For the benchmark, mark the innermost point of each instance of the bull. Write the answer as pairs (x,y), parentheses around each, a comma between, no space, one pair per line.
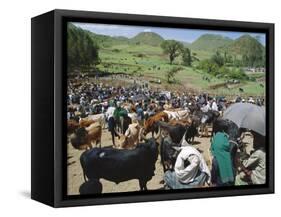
(119,165)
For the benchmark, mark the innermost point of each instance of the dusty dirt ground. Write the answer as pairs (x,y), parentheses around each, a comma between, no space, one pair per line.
(75,174)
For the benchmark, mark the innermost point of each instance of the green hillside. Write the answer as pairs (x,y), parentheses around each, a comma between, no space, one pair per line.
(143,57)
(149,38)
(210,42)
(244,44)
(108,41)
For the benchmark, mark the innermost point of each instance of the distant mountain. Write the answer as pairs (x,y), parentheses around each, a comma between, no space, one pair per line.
(107,41)
(149,38)
(244,44)
(210,42)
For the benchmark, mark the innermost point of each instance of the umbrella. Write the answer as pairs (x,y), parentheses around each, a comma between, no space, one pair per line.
(247,115)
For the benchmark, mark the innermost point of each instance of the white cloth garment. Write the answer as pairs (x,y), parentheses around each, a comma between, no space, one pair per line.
(196,162)
(214,106)
(206,108)
(109,112)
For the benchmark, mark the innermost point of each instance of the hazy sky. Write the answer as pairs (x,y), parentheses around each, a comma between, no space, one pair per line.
(186,35)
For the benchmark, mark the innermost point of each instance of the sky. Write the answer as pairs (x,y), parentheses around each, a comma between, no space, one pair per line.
(184,35)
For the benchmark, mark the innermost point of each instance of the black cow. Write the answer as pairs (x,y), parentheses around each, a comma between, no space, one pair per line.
(176,132)
(205,118)
(193,108)
(119,165)
(227,126)
(191,132)
(167,153)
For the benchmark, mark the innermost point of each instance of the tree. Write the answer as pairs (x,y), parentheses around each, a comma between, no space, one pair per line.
(170,74)
(186,57)
(194,57)
(208,66)
(81,49)
(218,59)
(172,48)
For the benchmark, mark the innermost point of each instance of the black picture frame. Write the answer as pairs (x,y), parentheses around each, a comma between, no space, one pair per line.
(48,147)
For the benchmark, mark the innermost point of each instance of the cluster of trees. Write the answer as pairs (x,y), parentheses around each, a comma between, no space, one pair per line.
(221,63)
(217,66)
(251,58)
(82,51)
(174,49)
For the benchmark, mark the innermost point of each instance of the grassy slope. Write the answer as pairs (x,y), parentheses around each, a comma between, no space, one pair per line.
(153,65)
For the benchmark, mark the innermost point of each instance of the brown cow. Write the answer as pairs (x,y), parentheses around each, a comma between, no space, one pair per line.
(72,125)
(131,137)
(86,122)
(83,137)
(183,122)
(150,123)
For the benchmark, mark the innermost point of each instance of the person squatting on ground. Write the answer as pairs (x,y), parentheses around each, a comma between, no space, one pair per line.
(191,170)
(253,169)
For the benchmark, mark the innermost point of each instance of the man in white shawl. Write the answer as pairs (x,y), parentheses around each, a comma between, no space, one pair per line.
(191,170)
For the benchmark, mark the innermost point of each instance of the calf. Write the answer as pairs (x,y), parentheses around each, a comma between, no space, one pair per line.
(131,137)
(83,137)
(119,165)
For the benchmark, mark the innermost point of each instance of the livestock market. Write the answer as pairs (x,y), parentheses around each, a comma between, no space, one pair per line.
(125,134)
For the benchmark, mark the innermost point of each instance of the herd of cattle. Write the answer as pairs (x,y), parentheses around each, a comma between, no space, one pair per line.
(149,123)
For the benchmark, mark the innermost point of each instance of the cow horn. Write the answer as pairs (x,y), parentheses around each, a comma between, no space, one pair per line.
(142,137)
(159,133)
(176,148)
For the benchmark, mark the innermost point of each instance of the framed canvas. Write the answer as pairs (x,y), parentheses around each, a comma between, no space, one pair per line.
(133,108)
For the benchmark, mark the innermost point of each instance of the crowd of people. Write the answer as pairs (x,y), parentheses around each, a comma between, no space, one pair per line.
(190,167)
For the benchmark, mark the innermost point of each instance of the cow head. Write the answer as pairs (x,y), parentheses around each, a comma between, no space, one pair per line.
(169,153)
(79,138)
(122,141)
(195,120)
